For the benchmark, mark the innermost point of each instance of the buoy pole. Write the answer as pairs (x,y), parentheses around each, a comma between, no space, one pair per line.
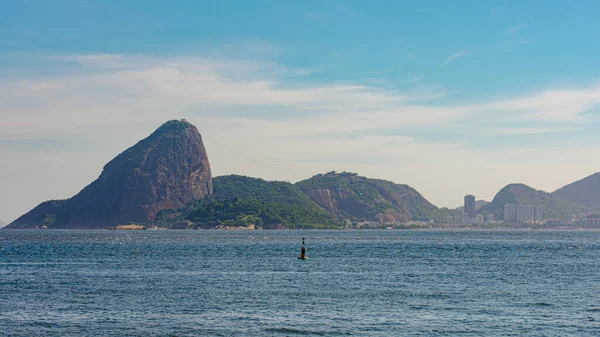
(302,254)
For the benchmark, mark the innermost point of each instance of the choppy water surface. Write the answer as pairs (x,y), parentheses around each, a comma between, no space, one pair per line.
(356,283)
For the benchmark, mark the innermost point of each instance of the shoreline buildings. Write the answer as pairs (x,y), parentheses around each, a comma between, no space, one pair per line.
(469,215)
(513,213)
(523,213)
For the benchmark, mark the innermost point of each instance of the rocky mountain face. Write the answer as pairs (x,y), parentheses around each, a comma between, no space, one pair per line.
(348,196)
(552,208)
(585,192)
(42,215)
(169,169)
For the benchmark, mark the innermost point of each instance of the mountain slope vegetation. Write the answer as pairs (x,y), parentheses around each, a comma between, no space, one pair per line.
(242,201)
(585,192)
(348,196)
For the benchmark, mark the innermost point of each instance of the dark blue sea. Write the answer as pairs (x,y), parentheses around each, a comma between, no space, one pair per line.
(250,283)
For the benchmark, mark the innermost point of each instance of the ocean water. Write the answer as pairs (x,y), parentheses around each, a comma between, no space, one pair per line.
(250,283)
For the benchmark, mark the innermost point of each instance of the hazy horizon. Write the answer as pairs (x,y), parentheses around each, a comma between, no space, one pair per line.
(449,98)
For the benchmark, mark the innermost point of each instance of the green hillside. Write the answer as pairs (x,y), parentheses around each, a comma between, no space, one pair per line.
(241,201)
(348,196)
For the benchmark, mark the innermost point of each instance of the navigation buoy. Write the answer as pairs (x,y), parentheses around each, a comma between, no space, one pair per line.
(303,251)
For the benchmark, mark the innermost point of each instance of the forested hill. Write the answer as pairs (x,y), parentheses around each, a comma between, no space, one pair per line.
(241,201)
(348,196)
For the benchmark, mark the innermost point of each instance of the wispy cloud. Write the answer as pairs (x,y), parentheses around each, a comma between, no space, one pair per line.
(515,28)
(560,105)
(107,85)
(530,131)
(112,89)
(453,57)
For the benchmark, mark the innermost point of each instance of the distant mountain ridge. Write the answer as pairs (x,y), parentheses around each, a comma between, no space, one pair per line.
(552,208)
(168,169)
(348,196)
(166,179)
(584,192)
(240,200)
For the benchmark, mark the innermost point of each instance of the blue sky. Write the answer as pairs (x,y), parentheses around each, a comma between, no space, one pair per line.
(451,97)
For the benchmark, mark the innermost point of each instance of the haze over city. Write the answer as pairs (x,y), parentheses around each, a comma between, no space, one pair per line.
(453,99)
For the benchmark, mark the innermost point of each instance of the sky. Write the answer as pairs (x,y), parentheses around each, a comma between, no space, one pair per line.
(449,97)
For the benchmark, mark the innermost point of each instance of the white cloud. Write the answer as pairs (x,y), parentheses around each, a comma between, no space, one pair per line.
(530,131)
(515,28)
(115,89)
(453,57)
(557,105)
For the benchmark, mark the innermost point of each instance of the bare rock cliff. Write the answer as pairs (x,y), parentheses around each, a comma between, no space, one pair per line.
(166,170)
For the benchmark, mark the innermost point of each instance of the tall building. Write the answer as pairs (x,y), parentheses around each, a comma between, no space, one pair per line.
(470,205)
(537,214)
(510,212)
(524,214)
(459,219)
(591,223)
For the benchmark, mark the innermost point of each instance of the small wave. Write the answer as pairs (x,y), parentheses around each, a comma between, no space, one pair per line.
(542,304)
(295,331)
(593,310)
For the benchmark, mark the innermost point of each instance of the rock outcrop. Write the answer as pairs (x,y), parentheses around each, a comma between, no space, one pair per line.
(348,196)
(42,215)
(166,170)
